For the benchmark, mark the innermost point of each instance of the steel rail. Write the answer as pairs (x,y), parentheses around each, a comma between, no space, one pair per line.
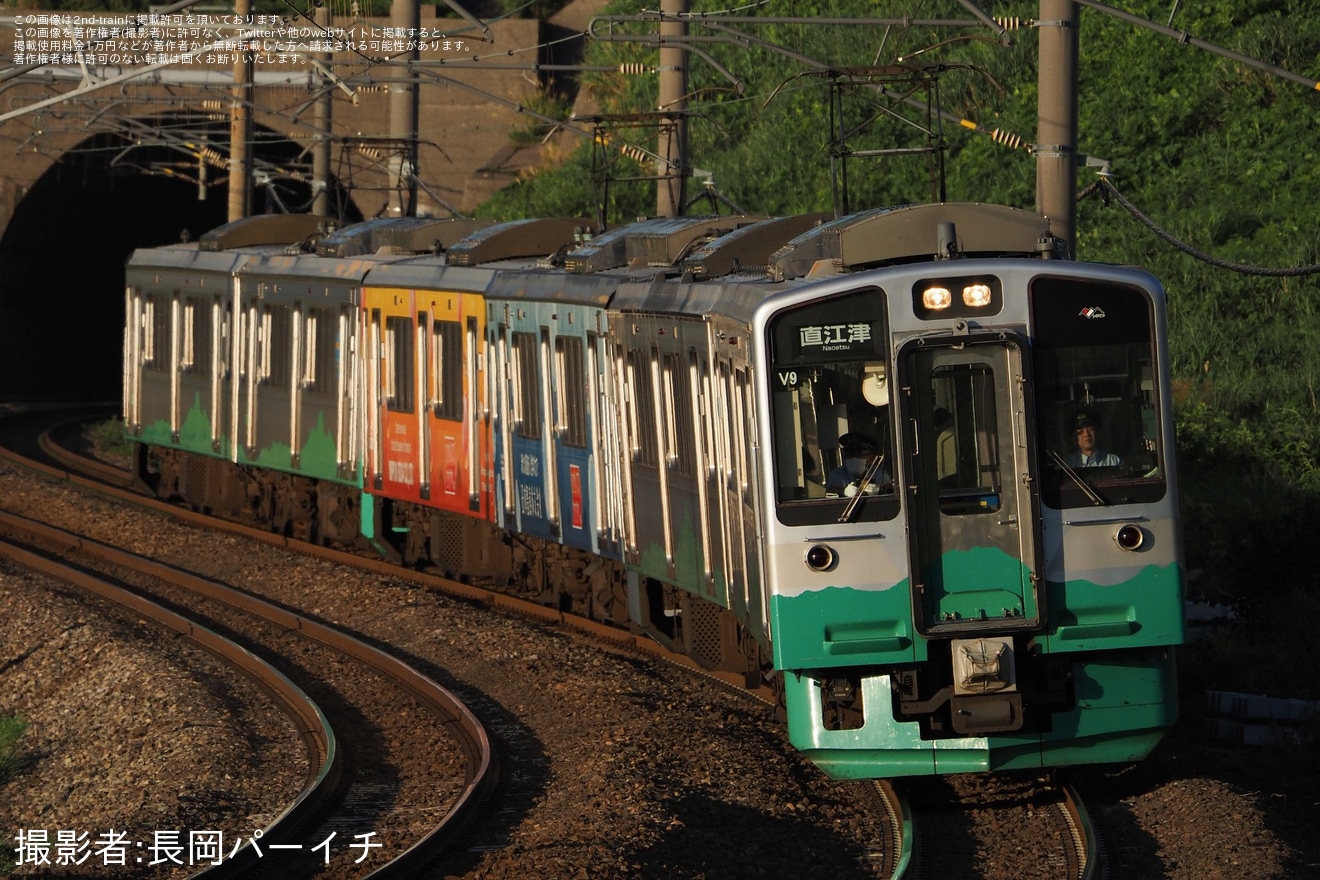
(457,720)
(482,767)
(325,761)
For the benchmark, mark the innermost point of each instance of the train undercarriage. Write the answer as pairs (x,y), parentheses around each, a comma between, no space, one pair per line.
(461,548)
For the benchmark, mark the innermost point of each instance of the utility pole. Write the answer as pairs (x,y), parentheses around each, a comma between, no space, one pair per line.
(405,14)
(672,164)
(240,122)
(1056,129)
(322,122)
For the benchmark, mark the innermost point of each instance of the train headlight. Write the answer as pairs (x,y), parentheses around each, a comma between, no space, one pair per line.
(1130,537)
(977,296)
(936,298)
(819,557)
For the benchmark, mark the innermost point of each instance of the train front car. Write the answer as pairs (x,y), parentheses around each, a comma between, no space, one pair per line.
(973,556)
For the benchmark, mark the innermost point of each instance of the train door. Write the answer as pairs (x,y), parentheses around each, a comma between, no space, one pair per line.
(426,394)
(375,354)
(708,481)
(572,399)
(607,491)
(976,562)
(132,398)
(478,451)
(346,346)
(270,403)
(500,396)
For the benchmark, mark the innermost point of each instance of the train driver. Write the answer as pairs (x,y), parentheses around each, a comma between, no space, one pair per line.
(1084,427)
(859,451)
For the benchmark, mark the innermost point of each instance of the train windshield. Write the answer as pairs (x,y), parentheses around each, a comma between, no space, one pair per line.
(1097,402)
(830,400)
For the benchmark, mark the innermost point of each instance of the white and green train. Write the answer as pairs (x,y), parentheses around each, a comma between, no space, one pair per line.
(911,466)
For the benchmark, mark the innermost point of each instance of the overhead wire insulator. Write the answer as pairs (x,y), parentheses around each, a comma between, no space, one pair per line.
(633,68)
(637,154)
(1011,22)
(369,152)
(1006,138)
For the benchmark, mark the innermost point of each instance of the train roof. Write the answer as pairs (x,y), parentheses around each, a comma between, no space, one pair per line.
(908,233)
(411,235)
(191,258)
(428,273)
(659,243)
(264,229)
(309,267)
(733,299)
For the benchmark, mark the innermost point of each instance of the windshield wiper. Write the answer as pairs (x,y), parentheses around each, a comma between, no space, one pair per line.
(1076,478)
(871,471)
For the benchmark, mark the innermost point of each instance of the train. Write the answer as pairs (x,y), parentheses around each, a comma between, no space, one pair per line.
(913,466)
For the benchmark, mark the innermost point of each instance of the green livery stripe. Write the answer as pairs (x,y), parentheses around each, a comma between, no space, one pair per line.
(841,626)
(1144,611)
(1123,708)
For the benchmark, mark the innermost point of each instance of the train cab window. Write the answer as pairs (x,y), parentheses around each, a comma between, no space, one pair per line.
(830,406)
(1097,404)
(399,373)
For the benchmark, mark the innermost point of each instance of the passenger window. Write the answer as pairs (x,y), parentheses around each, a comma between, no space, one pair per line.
(572,398)
(447,363)
(399,376)
(1097,404)
(527,393)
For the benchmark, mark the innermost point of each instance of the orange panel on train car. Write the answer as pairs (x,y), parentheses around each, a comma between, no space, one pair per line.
(430,441)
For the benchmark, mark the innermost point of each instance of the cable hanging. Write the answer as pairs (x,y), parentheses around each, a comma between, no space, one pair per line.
(1105,187)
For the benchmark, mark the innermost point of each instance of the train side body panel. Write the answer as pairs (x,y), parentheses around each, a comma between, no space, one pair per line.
(429,440)
(554,427)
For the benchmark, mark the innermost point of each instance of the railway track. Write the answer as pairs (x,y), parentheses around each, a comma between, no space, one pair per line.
(894,853)
(1003,827)
(340,794)
(324,759)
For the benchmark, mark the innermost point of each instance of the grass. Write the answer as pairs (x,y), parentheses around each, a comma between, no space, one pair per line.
(11,729)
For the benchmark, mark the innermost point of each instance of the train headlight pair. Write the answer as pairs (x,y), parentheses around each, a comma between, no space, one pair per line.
(974,296)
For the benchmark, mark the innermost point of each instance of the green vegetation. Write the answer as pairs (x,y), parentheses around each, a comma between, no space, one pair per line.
(11,729)
(1221,155)
(108,438)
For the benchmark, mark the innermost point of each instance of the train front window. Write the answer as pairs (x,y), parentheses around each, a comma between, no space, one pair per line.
(1096,399)
(829,398)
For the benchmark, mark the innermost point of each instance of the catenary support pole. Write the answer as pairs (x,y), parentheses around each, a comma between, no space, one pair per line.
(1056,129)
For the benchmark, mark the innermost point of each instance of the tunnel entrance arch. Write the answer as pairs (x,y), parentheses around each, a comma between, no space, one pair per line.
(63,252)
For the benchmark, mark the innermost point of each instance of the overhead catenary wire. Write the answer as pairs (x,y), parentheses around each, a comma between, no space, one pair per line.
(1106,188)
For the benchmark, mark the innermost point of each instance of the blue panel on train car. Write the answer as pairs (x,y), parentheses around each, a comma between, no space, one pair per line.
(529,489)
(575,510)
